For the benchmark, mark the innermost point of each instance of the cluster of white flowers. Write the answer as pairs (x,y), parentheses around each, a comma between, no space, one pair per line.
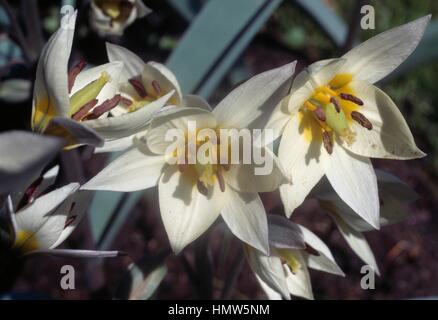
(329,121)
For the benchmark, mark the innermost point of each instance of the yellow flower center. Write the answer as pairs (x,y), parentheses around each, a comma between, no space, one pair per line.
(330,111)
(202,163)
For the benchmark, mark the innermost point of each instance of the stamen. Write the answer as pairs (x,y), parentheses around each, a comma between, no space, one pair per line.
(202,188)
(105,106)
(362,120)
(138,86)
(73,73)
(126,102)
(319,114)
(310,106)
(327,141)
(156,87)
(351,98)
(83,111)
(221,180)
(336,104)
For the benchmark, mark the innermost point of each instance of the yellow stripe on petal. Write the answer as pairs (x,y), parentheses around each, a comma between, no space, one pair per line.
(289,256)
(340,80)
(26,241)
(308,126)
(43,112)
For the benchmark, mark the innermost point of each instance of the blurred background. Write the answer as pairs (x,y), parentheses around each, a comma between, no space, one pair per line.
(212,46)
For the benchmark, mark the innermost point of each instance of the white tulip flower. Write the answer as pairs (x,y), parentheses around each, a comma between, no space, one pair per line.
(294,249)
(141,85)
(75,104)
(335,119)
(38,222)
(394,197)
(192,196)
(111,17)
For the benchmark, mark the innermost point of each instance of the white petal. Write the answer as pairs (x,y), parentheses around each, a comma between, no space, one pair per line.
(194,101)
(244,104)
(48,179)
(186,213)
(133,64)
(268,270)
(354,180)
(154,71)
(113,69)
(278,120)
(324,261)
(116,145)
(311,78)
(245,215)
(75,133)
(357,242)
(299,283)
(302,156)
(23,156)
(70,253)
(132,171)
(129,123)
(270,293)
(379,56)
(266,177)
(175,118)
(74,207)
(390,137)
(51,84)
(41,219)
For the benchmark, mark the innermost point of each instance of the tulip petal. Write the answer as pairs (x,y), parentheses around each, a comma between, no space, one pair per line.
(268,270)
(40,221)
(354,180)
(74,133)
(324,261)
(299,283)
(74,209)
(244,104)
(71,253)
(244,214)
(302,157)
(264,177)
(164,76)
(390,137)
(194,101)
(284,234)
(51,96)
(357,242)
(23,156)
(133,64)
(377,57)
(116,145)
(278,120)
(113,69)
(132,171)
(175,118)
(311,78)
(129,123)
(186,213)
